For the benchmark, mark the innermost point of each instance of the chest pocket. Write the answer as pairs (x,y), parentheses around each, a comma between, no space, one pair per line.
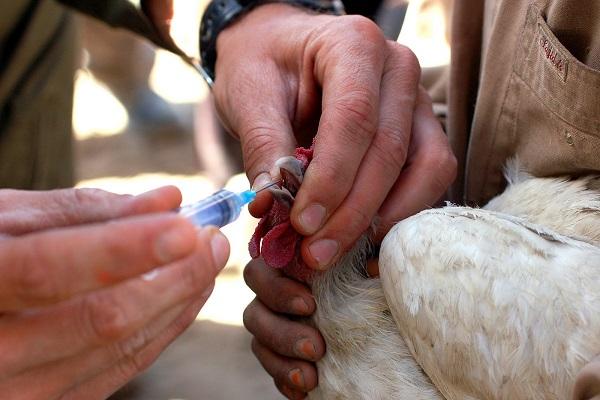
(551,112)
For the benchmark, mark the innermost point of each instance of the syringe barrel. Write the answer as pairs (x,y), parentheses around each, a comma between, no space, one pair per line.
(218,210)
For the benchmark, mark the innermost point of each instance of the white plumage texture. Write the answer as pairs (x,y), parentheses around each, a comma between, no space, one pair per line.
(495,303)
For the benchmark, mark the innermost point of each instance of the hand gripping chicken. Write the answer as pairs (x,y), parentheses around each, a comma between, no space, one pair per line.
(501,302)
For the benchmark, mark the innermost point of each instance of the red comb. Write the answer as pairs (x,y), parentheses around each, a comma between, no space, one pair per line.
(275,238)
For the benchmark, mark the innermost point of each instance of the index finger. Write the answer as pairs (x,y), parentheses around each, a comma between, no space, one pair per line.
(350,75)
(45,268)
(24,211)
(265,132)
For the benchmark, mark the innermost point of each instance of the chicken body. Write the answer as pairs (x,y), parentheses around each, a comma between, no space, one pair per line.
(495,303)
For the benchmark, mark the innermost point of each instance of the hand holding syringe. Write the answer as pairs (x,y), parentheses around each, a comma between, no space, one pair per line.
(221,208)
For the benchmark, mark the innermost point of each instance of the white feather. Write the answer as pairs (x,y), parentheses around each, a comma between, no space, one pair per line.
(494,303)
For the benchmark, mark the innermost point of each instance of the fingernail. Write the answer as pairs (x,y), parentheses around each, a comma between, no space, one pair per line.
(312,218)
(220,248)
(300,305)
(174,243)
(261,181)
(323,251)
(297,378)
(306,349)
(288,392)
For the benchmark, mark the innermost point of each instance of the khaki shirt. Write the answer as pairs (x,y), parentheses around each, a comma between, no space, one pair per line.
(524,82)
(38,57)
(37,62)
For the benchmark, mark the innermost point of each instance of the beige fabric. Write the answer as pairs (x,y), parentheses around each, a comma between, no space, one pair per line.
(128,14)
(37,61)
(537,90)
(118,58)
(525,82)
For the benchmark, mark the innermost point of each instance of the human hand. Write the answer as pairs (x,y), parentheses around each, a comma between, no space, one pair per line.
(283,74)
(160,13)
(93,286)
(587,384)
(286,348)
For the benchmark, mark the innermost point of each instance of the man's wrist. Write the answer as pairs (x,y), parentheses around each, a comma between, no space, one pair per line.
(220,14)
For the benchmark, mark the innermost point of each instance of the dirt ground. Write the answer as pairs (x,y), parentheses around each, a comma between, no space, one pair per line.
(210,361)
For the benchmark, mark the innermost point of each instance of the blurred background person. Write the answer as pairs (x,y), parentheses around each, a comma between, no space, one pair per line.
(123,62)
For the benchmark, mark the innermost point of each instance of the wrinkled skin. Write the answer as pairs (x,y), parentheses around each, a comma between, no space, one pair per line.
(79,273)
(287,357)
(350,158)
(283,74)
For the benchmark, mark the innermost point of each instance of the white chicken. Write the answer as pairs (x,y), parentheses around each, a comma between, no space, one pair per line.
(495,303)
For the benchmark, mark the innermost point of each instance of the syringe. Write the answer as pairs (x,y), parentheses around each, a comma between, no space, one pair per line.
(219,209)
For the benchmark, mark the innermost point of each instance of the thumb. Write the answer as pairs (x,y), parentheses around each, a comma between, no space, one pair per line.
(256,110)
(261,148)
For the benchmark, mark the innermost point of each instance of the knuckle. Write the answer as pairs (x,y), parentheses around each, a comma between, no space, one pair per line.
(105,317)
(390,152)
(424,97)
(194,278)
(443,158)
(87,198)
(258,325)
(448,170)
(132,345)
(256,142)
(282,301)
(135,364)
(249,316)
(450,165)
(261,354)
(360,222)
(334,174)
(126,369)
(81,204)
(364,28)
(254,347)
(408,60)
(402,64)
(250,273)
(443,165)
(118,241)
(33,280)
(359,113)
(185,320)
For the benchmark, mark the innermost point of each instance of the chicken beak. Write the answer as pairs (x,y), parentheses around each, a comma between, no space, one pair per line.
(291,173)
(287,170)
